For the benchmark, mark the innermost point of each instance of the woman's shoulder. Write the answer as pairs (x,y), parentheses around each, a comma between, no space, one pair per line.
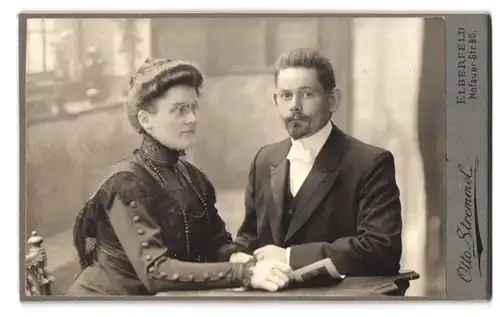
(128,180)
(195,172)
(199,178)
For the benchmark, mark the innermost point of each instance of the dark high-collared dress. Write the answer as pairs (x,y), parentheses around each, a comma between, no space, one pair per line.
(152,226)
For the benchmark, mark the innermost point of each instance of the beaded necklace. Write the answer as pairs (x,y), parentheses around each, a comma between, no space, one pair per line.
(184,214)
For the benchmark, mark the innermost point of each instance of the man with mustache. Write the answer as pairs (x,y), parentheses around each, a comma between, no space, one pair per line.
(320,193)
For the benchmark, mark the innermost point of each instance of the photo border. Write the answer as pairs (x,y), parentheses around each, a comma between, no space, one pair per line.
(468,136)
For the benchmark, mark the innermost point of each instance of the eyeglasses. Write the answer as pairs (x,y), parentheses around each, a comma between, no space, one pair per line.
(183,109)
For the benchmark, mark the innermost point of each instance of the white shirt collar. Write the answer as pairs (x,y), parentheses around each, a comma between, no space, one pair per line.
(308,148)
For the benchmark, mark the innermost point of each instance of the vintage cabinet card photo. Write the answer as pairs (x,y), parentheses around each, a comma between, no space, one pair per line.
(262,156)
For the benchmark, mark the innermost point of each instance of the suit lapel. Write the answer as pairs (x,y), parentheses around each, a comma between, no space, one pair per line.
(278,180)
(318,183)
(316,186)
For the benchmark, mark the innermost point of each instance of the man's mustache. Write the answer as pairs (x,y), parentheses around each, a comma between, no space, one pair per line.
(296,116)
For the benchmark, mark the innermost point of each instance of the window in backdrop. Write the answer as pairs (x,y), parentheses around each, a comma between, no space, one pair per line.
(40,55)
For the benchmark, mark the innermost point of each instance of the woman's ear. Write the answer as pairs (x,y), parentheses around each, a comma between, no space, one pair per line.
(144,119)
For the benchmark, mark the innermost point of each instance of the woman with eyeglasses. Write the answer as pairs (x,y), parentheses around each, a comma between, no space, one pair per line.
(152,225)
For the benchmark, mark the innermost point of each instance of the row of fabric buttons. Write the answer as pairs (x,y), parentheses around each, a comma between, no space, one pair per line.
(205,277)
(145,245)
(189,278)
(140,231)
(163,275)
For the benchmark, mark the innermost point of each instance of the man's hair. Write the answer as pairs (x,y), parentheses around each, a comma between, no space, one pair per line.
(153,79)
(308,58)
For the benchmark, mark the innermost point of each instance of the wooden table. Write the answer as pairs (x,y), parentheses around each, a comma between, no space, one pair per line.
(356,287)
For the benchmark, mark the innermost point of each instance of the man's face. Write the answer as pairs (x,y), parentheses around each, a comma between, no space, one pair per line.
(303,104)
(174,123)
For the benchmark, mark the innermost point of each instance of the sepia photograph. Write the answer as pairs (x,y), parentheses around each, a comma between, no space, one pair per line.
(208,156)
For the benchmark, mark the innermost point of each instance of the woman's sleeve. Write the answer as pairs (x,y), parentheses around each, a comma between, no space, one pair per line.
(129,211)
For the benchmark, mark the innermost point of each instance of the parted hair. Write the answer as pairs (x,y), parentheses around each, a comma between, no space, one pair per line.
(153,79)
(308,58)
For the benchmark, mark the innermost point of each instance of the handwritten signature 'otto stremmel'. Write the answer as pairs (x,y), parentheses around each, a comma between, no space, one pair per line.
(468,228)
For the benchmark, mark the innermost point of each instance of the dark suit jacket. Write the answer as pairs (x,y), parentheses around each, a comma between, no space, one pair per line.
(349,209)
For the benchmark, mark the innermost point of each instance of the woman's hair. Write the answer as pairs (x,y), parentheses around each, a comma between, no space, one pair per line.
(153,79)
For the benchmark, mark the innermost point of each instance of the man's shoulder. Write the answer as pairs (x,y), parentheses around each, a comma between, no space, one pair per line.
(272,151)
(363,149)
(361,156)
(354,150)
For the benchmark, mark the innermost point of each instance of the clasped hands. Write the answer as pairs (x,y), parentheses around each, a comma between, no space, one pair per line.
(271,272)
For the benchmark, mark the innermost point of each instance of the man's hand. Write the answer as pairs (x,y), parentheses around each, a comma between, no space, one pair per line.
(270,275)
(240,257)
(271,252)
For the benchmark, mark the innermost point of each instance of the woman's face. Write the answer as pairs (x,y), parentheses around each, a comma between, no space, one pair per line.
(173,124)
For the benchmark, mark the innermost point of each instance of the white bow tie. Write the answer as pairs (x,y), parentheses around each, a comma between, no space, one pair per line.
(299,153)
